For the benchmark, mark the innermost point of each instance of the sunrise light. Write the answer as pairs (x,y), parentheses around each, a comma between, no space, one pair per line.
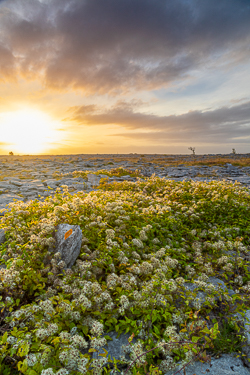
(28,131)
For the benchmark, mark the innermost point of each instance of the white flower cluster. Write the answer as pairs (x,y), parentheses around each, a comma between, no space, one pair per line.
(69,358)
(124,301)
(138,243)
(167,364)
(97,328)
(79,341)
(97,365)
(98,343)
(31,359)
(42,334)
(65,335)
(137,351)
(11,340)
(171,263)
(146,268)
(110,234)
(84,301)
(143,236)
(112,280)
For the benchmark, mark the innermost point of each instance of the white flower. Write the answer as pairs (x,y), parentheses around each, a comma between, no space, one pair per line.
(124,301)
(98,343)
(65,335)
(138,243)
(143,236)
(62,371)
(110,233)
(42,333)
(97,328)
(11,339)
(49,371)
(78,340)
(31,359)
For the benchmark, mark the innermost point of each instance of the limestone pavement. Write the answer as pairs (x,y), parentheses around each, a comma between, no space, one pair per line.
(36,177)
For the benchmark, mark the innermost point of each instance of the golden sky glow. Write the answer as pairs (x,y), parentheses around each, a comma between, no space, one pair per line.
(156,76)
(28,131)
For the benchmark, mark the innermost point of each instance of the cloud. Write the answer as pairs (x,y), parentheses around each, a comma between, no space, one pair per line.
(114,46)
(7,62)
(225,124)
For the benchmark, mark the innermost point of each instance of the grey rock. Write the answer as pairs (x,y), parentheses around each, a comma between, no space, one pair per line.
(115,347)
(225,365)
(2,236)
(70,247)
(16,182)
(93,179)
(246,334)
(201,296)
(51,182)
(2,240)
(5,199)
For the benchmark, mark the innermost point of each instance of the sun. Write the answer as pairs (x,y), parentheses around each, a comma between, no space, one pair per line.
(28,131)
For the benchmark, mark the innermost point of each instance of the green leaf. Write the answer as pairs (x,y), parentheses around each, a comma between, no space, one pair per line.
(195,339)
(23,350)
(19,262)
(85,330)
(108,338)
(154,318)
(92,350)
(23,366)
(156,330)
(31,372)
(4,338)
(205,330)
(56,340)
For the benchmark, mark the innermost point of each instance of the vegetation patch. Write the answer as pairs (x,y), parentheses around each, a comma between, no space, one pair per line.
(143,243)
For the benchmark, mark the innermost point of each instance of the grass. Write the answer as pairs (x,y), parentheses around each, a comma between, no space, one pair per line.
(228,340)
(142,242)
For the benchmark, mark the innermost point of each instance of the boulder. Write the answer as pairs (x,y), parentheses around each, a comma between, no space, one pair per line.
(115,347)
(5,199)
(2,236)
(94,179)
(201,296)
(68,242)
(227,364)
(246,334)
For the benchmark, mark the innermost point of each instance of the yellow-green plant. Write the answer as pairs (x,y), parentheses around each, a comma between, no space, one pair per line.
(142,242)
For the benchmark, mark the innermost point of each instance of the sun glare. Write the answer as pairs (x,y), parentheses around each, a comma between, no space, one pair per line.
(28,131)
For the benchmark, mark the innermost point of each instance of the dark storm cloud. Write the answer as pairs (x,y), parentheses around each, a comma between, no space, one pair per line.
(221,125)
(112,46)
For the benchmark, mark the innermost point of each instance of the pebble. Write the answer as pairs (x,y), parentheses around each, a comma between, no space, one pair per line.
(36,177)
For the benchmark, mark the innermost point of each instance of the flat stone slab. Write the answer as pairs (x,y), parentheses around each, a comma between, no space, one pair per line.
(114,347)
(5,199)
(2,236)
(225,365)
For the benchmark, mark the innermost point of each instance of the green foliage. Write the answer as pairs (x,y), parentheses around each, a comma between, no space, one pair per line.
(142,241)
(228,340)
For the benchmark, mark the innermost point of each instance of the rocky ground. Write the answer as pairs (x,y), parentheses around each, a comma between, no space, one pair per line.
(28,177)
(36,177)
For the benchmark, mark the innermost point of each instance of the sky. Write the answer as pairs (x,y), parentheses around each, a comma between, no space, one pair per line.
(124,76)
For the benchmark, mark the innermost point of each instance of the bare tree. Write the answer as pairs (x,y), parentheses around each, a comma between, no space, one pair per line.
(192,149)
